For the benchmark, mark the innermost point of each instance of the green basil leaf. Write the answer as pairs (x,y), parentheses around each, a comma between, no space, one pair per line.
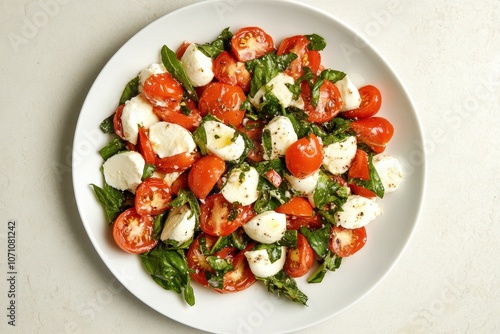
(111,199)
(148,171)
(274,251)
(374,183)
(220,44)
(107,125)
(267,142)
(174,67)
(115,146)
(316,42)
(283,285)
(158,225)
(187,197)
(289,239)
(130,90)
(265,68)
(332,75)
(318,239)
(331,262)
(220,267)
(328,191)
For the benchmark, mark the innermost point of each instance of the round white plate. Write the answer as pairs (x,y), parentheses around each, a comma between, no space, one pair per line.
(255,310)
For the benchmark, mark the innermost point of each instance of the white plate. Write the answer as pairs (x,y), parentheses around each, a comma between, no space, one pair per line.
(255,310)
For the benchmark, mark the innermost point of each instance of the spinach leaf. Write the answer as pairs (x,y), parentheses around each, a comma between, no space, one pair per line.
(174,67)
(374,183)
(112,148)
(169,269)
(107,125)
(265,68)
(316,42)
(111,199)
(220,44)
(330,262)
(283,285)
(130,90)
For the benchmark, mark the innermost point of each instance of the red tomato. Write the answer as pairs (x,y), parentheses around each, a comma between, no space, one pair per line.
(176,163)
(236,280)
(219,217)
(345,242)
(180,51)
(188,121)
(296,222)
(297,206)
(232,72)
(251,42)
(152,197)
(361,191)
(224,102)
(329,102)
(359,167)
(163,90)
(145,146)
(371,100)
(117,122)
(304,157)
(298,45)
(253,130)
(133,233)
(375,132)
(299,260)
(181,182)
(312,59)
(273,177)
(204,174)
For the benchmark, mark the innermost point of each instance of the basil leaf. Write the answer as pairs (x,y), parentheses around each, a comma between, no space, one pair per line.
(274,251)
(267,142)
(265,68)
(158,225)
(187,197)
(331,262)
(220,44)
(107,125)
(111,199)
(283,285)
(148,171)
(332,75)
(289,239)
(130,90)
(316,42)
(174,67)
(220,267)
(318,239)
(374,183)
(336,130)
(115,146)
(328,192)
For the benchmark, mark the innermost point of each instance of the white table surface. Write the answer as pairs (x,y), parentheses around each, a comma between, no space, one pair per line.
(446,52)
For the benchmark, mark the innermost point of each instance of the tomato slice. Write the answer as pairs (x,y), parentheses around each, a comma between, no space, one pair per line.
(197,261)
(297,44)
(251,42)
(371,100)
(312,59)
(297,206)
(220,217)
(345,242)
(232,72)
(181,182)
(304,157)
(241,277)
(204,174)
(117,121)
(224,102)
(361,191)
(152,197)
(359,166)
(328,105)
(295,222)
(145,146)
(133,232)
(299,260)
(375,132)
(163,90)
(187,115)
(176,163)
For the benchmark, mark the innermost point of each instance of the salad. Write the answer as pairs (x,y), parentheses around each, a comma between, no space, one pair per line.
(236,161)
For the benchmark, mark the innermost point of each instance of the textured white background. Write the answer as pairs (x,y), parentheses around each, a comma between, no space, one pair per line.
(446,52)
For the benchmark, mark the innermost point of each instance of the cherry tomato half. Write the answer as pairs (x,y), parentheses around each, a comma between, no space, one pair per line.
(371,100)
(176,163)
(224,102)
(133,232)
(328,105)
(163,90)
(204,174)
(345,242)
(187,115)
(251,42)
(359,166)
(145,146)
(304,156)
(117,121)
(297,206)
(299,260)
(375,132)
(230,71)
(152,197)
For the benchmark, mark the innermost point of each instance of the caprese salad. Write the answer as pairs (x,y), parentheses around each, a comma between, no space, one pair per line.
(237,161)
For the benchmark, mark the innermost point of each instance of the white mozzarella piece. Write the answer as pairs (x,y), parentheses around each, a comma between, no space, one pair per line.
(221,141)
(267,227)
(197,66)
(278,87)
(168,139)
(349,93)
(179,225)
(390,171)
(123,171)
(147,72)
(241,186)
(137,112)
(337,157)
(357,211)
(282,136)
(261,265)
(305,186)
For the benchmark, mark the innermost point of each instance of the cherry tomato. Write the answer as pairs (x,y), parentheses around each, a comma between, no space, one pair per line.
(241,277)
(152,197)
(176,163)
(371,100)
(163,90)
(251,42)
(230,71)
(145,146)
(312,59)
(328,105)
(117,122)
(180,51)
(361,191)
(181,182)
(297,206)
(133,232)
(197,261)
(299,260)
(253,130)
(359,167)
(304,157)
(219,217)
(298,45)
(375,132)
(345,242)
(204,174)
(224,102)
(296,222)
(274,177)
(187,116)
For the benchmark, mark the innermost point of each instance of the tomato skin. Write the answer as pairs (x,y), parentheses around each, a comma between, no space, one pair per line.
(232,72)
(329,102)
(241,277)
(359,167)
(297,206)
(371,100)
(299,260)
(312,59)
(296,222)
(298,45)
(176,163)
(253,130)
(273,177)
(180,51)
(220,218)
(152,197)
(224,102)
(304,157)
(204,174)
(345,242)
(361,191)
(117,121)
(180,182)
(251,42)
(374,131)
(145,147)
(163,90)
(133,233)
(189,122)
(197,260)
